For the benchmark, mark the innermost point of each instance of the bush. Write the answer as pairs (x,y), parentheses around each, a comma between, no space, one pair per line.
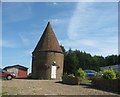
(81,73)
(99,74)
(109,74)
(117,74)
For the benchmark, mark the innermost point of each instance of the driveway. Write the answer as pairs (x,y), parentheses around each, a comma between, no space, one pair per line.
(46,87)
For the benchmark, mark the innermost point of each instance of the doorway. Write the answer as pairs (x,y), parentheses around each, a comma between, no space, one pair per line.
(53,72)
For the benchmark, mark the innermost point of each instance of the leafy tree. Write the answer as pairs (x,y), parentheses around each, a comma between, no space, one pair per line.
(109,74)
(75,59)
(98,61)
(71,62)
(63,49)
(111,60)
(81,73)
(119,59)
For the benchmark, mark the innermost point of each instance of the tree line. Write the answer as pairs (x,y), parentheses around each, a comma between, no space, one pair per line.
(75,59)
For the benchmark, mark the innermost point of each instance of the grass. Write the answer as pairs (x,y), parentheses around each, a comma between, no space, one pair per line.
(3,93)
(86,82)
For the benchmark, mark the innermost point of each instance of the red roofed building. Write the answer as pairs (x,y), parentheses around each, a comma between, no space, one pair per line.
(18,70)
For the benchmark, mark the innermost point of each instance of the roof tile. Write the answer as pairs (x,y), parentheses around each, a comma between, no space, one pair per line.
(48,41)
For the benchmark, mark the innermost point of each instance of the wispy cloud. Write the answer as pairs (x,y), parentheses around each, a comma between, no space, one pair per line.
(76,20)
(28,52)
(76,44)
(7,43)
(55,3)
(55,21)
(92,46)
(88,19)
(1,43)
(25,40)
(94,30)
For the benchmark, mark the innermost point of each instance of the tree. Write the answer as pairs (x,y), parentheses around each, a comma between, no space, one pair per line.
(76,59)
(118,59)
(71,62)
(81,73)
(111,60)
(63,49)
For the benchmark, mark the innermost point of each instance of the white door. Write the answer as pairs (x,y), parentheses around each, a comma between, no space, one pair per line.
(53,72)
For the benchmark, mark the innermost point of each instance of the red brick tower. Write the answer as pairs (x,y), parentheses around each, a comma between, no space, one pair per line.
(47,57)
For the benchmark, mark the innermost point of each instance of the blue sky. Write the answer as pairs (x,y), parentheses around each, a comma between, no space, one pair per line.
(86,26)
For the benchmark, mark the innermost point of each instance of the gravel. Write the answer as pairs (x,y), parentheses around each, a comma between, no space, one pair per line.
(46,87)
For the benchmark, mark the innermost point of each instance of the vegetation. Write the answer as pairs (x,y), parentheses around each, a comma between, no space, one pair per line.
(81,73)
(109,74)
(99,74)
(75,59)
(3,93)
(117,74)
(71,62)
(86,82)
(71,75)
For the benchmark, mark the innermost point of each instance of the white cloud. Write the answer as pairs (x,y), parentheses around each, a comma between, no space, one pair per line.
(28,52)
(93,30)
(0,42)
(54,3)
(89,19)
(76,21)
(24,40)
(77,44)
(88,42)
(7,43)
(93,47)
(55,21)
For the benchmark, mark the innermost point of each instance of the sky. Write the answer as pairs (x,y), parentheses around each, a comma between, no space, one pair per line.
(87,26)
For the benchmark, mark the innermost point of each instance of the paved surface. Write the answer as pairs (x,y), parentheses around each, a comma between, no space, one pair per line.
(46,87)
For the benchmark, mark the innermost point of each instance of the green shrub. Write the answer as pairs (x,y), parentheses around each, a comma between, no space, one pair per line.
(81,73)
(99,74)
(109,74)
(117,74)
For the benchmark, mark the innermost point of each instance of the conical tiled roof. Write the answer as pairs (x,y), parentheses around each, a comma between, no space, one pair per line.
(48,41)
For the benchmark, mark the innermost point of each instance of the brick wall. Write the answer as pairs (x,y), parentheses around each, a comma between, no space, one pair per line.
(22,73)
(42,62)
